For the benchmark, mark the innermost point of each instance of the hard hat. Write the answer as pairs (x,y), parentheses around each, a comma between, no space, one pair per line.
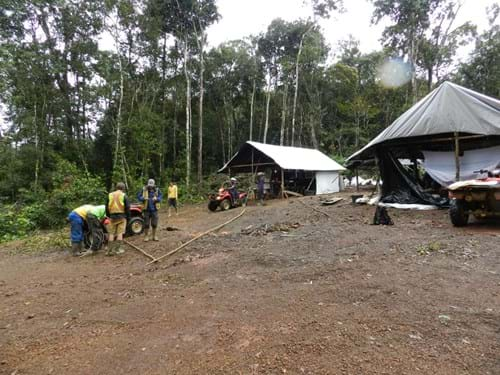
(233,179)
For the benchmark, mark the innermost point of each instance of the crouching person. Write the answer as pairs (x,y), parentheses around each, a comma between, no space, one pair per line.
(77,219)
(118,211)
(150,197)
(95,216)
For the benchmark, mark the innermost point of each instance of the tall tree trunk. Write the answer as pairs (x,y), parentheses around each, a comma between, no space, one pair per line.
(283,115)
(163,107)
(296,93)
(429,78)
(189,136)
(314,138)
(252,100)
(268,100)
(37,162)
(119,119)
(200,115)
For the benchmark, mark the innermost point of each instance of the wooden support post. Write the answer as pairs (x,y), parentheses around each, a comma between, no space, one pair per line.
(282,183)
(357,179)
(457,157)
(252,161)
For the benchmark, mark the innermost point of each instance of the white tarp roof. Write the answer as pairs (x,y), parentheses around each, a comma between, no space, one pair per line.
(294,158)
(449,108)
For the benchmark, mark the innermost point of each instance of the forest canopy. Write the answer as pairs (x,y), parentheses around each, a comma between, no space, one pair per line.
(164,104)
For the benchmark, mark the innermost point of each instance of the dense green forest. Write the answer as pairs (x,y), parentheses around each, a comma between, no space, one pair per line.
(164,104)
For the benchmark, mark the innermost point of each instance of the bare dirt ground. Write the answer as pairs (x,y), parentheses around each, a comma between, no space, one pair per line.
(332,296)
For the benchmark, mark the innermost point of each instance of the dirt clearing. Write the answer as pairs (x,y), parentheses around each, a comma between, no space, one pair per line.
(283,289)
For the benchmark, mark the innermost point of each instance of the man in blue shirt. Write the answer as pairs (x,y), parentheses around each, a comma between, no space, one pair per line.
(150,196)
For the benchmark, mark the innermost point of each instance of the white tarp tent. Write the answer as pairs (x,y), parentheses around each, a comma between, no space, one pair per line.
(253,155)
(328,182)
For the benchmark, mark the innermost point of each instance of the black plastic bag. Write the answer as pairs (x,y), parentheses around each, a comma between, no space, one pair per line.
(382,217)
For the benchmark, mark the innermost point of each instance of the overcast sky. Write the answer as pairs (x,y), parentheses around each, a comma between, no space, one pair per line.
(240,18)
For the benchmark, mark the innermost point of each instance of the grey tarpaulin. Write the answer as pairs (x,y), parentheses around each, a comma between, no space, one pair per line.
(448,116)
(448,109)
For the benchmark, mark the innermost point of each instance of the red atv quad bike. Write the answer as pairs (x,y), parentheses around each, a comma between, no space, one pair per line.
(480,198)
(135,226)
(136,223)
(224,200)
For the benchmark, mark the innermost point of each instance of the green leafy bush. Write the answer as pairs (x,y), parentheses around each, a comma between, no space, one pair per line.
(14,223)
(41,210)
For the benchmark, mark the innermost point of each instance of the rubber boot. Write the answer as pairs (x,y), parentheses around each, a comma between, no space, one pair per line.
(75,248)
(111,248)
(146,235)
(119,249)
(155,238)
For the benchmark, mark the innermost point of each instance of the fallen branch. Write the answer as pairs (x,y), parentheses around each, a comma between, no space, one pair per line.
(315,209)
(197,237)
(139,249)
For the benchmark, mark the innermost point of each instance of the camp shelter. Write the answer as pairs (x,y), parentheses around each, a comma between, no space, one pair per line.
(292,168)
(454,130)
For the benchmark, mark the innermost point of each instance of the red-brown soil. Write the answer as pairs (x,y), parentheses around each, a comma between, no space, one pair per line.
(333,296)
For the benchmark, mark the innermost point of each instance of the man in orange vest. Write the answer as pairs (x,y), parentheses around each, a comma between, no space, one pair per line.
(118,211)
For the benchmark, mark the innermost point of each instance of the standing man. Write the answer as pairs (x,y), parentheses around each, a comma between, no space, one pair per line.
(233,190)
(260,187)
(172,197)
(118,211)
(77,218)
(150,196)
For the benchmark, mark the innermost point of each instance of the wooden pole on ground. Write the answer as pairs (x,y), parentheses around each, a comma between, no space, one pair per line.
(139,249)
(197,237)
(315,209)
(457,157)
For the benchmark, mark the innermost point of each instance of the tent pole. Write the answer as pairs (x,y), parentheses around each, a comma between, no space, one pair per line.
(282,183)
(252,160)
(357,180)
(457,157)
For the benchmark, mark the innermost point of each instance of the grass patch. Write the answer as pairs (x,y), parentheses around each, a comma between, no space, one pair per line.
(39,242)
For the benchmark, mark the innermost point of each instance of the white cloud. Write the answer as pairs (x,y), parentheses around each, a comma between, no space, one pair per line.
(241,18)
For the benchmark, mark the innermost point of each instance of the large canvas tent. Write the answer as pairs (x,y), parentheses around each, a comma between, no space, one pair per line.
(453,129)
(295,164)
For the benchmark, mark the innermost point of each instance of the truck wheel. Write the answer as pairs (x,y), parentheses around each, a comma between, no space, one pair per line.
(91,242)
(212,205)
(225,205)
(136,225)
(458,215)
